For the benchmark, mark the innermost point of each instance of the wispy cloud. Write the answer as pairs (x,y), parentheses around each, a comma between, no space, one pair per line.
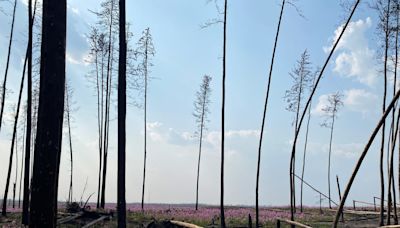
(354,100)
(158,132)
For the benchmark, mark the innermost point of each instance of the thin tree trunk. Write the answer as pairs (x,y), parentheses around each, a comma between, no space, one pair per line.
(50,115)
(304,158)
(381,217)
(16,167)
(223,120)
(362,156)
(22,166)
(311,96)
(265,111)
(200,144)
(99,120)
(107,118)
(122,116)
(4,210)
(145,121)
(101,131)
(329,162)
(70,196)
(293,157)
(391,178)
(25,204)
(4,86)
(396,220)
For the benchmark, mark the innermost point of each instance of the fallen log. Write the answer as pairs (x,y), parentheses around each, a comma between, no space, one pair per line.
(70,218)
(184,224)
(279,220)
(102,218)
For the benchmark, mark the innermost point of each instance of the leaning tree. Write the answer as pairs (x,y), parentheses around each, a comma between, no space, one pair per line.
(271,67)
(200,113)
(315,86)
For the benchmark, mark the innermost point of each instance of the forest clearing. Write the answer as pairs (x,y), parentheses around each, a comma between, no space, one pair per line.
(207,216)
(206,113)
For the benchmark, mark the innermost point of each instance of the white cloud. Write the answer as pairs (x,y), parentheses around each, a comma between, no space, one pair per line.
(354,100)
(73,9)
(321,104)
(243,133)
(356,60)
(347,150)
(359,100)
(72,60)
(159,133)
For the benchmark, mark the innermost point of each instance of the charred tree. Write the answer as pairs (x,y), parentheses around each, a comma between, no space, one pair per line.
(121,206)
(50,115)
(223,225)
(317,80)
(362,156)
(4,85)
(265,110)
(13,140)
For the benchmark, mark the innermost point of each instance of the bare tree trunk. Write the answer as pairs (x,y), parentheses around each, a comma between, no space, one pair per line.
(293,157)
(68,109)
(310,98)
(16,167)
(14,135)
(391,177)
(362,156)
(265,111)
(329,162)
(101,132)
(200,144)
(396,220)
(50,115)
(304,158)
(145,126)
(99,120)
(223,120)
(122,115)
(381,218)
(107,117)
(4,88)
(25,204)
(22,166)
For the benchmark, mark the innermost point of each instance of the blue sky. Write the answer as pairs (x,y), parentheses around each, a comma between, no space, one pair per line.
(184,53)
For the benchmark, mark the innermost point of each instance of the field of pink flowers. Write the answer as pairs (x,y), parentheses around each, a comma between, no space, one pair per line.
(236,216)
(207,215)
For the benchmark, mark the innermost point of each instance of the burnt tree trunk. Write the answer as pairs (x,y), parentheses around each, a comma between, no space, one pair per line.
(4,86)
(121,206)
(362,156)
(25,204)
(107,107)
(382,177)
(50,115)
(265,112)
(13,139)
(223,120)
(318,79)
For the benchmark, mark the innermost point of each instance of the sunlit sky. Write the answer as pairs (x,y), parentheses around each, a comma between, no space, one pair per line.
(184,53)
